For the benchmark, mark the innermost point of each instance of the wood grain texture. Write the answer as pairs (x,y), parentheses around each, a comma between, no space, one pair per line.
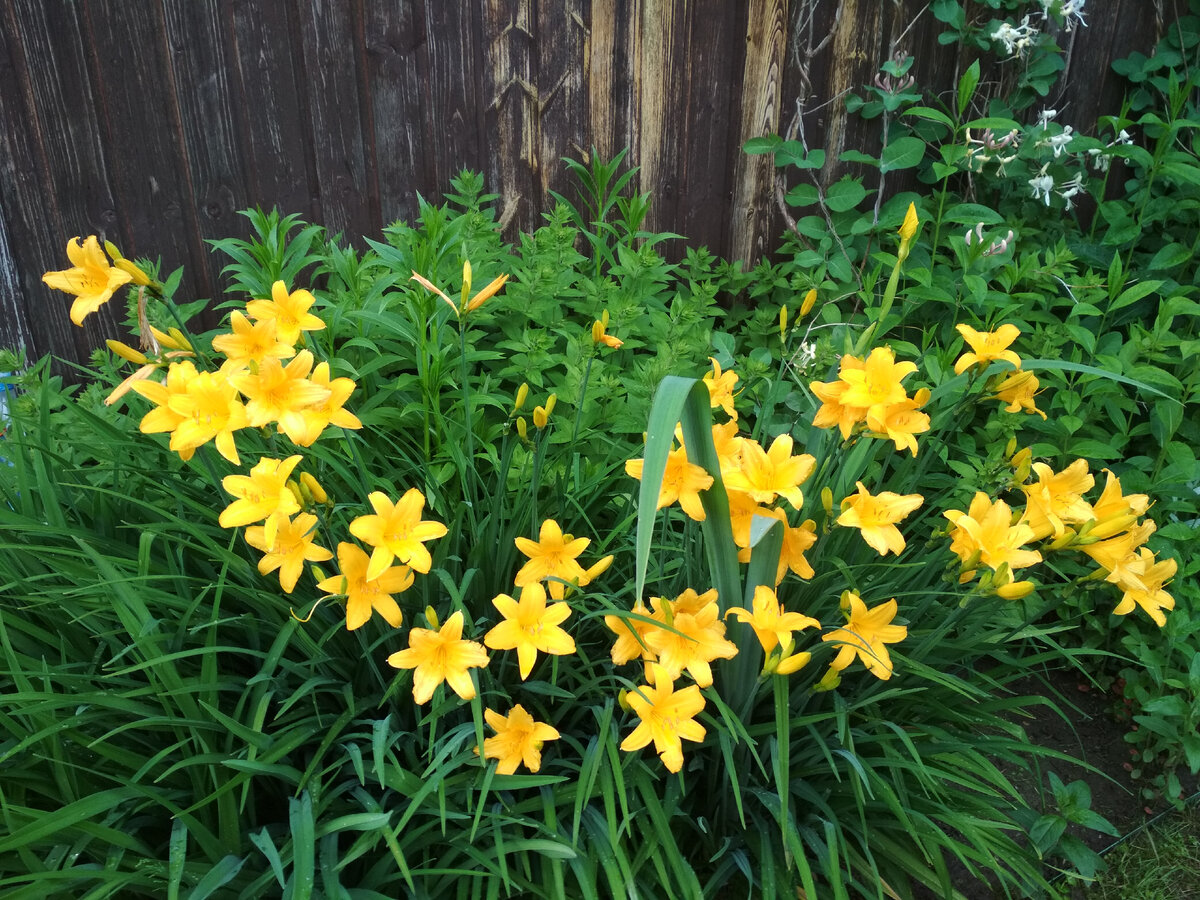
(329,61)
(200,69)
(397,78)
(150,123)
(512,121)
(753,213)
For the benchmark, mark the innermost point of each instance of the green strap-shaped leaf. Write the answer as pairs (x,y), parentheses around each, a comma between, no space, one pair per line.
(685,400)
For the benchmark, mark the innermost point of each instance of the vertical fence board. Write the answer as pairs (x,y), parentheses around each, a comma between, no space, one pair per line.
(62,98)
(218,183)
(511,97)
(562,71)
(267,95)
(140,117)
(398,75)
(334,130)
(753,215)
(456,102)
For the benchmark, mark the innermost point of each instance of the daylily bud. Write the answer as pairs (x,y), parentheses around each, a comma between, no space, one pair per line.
(783,322)
(522,396)
(522,428)
(793,663)
(139,278)
(831,680)
(827,500)
(297,492)
(126,352)
(1010,448)
(810,300)
(845,601)
(178,338)
(466,285)
(597,331)
(908,231)
(623,701)
(550,401)
(317,572)
(1016,590)
(309,483)
(1066,539)
(431,617)
(604,318)
(1111,526)
(540,417)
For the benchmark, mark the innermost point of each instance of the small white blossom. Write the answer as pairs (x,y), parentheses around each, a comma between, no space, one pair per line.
(1015,38)
(1058,142)
(1123,138)
(1042,186)
(1046,116)
(1070,188)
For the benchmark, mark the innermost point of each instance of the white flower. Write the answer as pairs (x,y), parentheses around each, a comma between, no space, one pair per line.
(1046,116)
(1016,39)
(1042,186)
(1070,188)
(1058,142)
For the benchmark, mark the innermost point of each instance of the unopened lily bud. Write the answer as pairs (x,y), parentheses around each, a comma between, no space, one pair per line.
(540,417)
(550,401)
(623,701)
(845,601)
(810,300)
(177,336)
(1016,590)
(466,285)
(1111,526)
(431,617)
(317,572)
(522,428)
(1066,539)
(309,483)
(597,331)
(827,500)
(831,680)
(297,492)
(522,396)
(1010,448)
(128,353)
(783,322)
(793,663)
(604,319)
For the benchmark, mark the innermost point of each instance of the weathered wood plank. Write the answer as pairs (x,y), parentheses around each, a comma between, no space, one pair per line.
(328,48)
(15,333)
(456,102)
(61,125)
(199,68)
(397,76)
(708,152)
(752,218)
(142,133)
(267,96)
(563,59)
(512,113)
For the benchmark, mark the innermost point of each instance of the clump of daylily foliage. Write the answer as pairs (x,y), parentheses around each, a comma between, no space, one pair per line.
(792,573)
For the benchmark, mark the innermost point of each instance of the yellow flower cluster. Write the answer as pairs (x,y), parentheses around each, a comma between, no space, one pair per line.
(1108,531)
(869,393)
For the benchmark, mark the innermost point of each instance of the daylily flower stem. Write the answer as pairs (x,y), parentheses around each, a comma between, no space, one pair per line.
(465,387)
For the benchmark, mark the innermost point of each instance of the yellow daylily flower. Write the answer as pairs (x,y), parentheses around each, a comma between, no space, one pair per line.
(1146,588)
(442,655)
(552,555)
(292,547)
(1017,389)
(211,410)
(91,279)
(263,494)
(667,718)
(865,636)
(877,381)
(876,515)
(696,639)
(529,626)
(249,342)
(282,394)
(289,312)
(987,346)
(772,626)
(1055,500)
(985,532)
(518,740)
(362,595)
(396,531)
(631,635)
(763,474)
(682,481)
(720,388)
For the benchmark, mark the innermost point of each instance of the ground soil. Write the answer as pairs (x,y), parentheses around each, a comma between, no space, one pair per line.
(1087,725)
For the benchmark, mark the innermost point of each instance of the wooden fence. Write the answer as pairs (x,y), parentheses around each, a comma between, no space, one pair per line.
(150,122)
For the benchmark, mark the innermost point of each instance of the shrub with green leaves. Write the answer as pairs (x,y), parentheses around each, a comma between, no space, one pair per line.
(358,594)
